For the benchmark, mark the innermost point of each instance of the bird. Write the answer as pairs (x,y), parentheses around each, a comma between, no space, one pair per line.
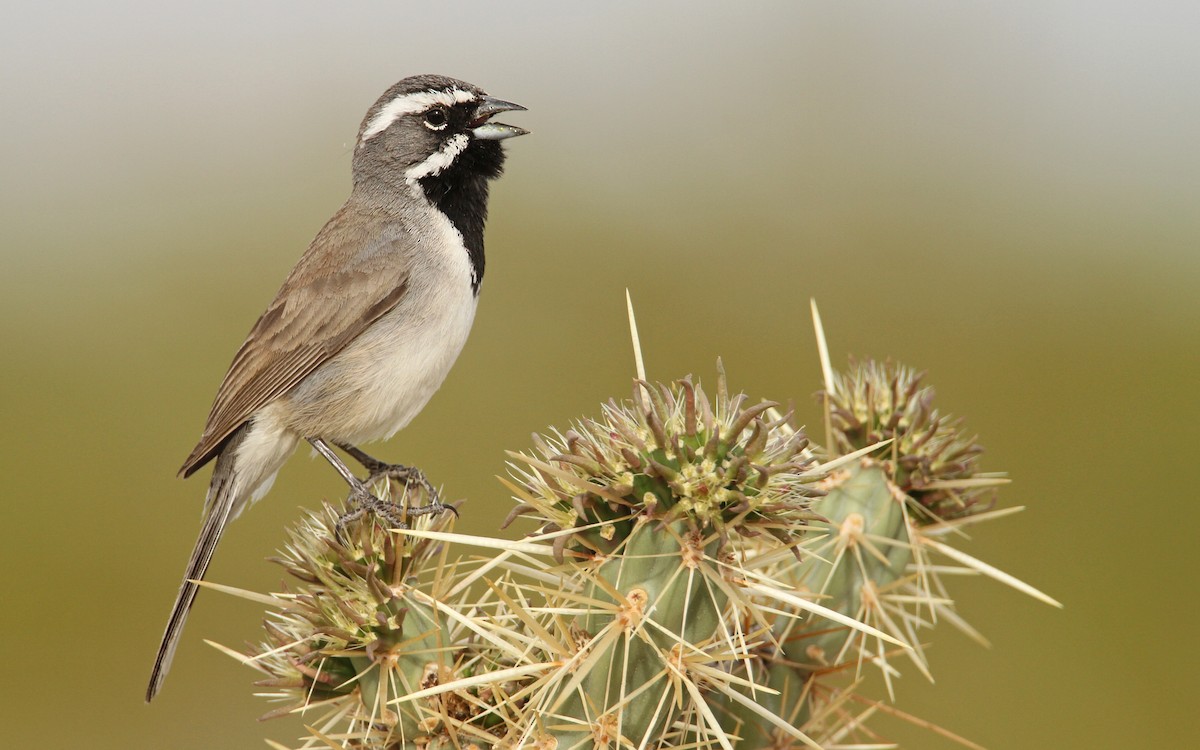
(368,322)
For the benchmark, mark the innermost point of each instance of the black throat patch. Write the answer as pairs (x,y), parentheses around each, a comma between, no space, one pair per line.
(461,192)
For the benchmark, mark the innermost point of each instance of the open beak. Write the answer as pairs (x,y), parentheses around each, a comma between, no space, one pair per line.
(494,131)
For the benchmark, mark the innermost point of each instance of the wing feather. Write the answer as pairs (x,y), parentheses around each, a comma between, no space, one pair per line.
(349,278)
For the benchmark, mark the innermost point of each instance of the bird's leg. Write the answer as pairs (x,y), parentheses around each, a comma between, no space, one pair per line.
(373,465)
(364,501)
(408,475)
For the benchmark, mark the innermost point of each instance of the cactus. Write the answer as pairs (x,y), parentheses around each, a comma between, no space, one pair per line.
(701,575)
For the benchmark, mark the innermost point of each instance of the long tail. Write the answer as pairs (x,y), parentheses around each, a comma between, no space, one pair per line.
(225,498)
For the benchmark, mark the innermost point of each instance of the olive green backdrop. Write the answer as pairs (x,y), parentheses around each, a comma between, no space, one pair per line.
(1004,194)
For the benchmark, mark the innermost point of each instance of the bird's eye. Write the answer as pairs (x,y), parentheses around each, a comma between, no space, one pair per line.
(435,119)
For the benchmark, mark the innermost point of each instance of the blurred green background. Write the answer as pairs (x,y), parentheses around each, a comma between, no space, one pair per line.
(1005,194)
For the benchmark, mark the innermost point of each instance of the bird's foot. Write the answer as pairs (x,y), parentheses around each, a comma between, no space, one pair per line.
(361,502)
(409,476)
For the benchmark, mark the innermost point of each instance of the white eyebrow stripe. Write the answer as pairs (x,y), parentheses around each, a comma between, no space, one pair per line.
(407,104)
(438,160)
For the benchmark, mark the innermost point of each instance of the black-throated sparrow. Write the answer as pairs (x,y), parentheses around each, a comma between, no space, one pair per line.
(370,319)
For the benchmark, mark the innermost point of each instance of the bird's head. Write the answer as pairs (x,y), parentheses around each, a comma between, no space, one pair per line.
(430,126)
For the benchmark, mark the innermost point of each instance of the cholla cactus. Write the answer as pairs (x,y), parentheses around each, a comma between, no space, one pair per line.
(928,453)
(653,500)
(358,631)
(701,576)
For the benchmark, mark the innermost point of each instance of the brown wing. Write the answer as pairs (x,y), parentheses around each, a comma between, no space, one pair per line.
(349,278)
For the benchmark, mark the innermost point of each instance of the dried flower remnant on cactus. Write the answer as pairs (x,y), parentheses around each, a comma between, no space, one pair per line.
(668,454)
(929,455)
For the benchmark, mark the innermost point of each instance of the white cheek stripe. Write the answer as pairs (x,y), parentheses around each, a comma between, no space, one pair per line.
(408,104)
(439,160)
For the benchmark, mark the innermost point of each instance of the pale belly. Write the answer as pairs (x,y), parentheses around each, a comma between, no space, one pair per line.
(383,379)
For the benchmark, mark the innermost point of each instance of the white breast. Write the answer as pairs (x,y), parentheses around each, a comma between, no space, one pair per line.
(383,379)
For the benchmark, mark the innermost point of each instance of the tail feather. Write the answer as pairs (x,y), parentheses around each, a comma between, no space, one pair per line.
(221,505)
